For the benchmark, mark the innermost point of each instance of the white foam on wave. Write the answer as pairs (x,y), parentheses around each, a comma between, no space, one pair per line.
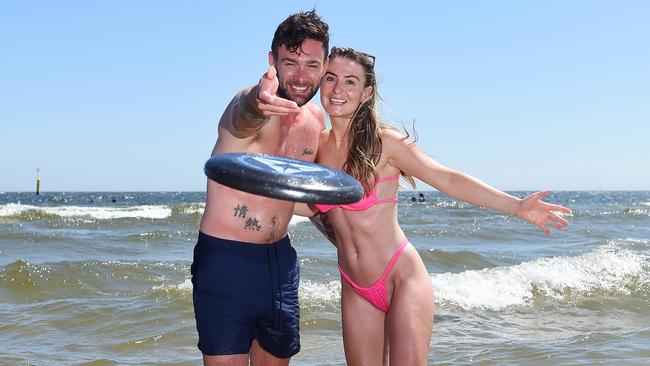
(195,208)
(11,209)
(319,293)
(96,212)
(637,212)
(311,293)
(607,268)
(185,286)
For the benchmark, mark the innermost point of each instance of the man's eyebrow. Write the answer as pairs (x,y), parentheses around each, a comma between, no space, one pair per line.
(293,59)
(347,76)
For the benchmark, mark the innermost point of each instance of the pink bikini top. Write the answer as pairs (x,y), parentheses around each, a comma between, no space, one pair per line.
(366,202)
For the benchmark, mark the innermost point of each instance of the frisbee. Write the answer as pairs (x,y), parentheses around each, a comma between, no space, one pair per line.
(283,178)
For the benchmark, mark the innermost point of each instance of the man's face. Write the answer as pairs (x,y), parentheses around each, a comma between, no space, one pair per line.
(300,72)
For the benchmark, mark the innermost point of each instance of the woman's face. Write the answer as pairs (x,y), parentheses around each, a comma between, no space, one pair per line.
(343,87)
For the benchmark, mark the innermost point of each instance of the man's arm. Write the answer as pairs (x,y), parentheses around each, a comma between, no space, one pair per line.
(244,118)
(303,209)
(322,223)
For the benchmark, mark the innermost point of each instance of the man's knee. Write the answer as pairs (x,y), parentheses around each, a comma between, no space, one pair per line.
(225,360)
(261,357)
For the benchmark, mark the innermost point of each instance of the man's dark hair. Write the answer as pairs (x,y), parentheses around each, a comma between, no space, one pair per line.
(299,27)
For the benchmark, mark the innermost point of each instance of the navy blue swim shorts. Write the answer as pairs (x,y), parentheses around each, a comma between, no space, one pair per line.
(245,291)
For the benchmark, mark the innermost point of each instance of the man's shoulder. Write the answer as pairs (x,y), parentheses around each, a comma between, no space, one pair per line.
(314,108)
(316,112)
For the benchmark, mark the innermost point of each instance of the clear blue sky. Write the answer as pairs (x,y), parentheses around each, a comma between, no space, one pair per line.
(126,95)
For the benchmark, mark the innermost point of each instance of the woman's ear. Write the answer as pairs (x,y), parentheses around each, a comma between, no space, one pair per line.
(367,93)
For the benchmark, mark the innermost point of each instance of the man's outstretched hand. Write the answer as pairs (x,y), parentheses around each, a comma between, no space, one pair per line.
(266,100)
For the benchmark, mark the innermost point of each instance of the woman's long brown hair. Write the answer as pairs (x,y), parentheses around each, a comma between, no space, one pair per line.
(364,132)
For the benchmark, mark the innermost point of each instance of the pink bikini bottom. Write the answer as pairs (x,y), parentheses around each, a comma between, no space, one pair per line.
(376,294)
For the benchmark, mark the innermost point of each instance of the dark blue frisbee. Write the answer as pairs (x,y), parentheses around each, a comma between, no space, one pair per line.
(283,178)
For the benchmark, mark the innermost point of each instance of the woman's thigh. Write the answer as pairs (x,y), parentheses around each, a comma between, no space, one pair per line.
(410,321)
(363,329)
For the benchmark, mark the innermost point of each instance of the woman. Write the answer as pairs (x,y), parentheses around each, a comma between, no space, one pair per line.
(387,298)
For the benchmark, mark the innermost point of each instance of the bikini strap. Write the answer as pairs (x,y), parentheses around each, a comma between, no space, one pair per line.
(385,179)
(346,276)
(394,260)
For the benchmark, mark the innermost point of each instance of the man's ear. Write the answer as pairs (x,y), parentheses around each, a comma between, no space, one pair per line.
(271,59)
(325,64)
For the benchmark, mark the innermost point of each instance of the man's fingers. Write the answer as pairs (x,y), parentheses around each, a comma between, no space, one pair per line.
(275,114)
(267,98)
(270,73)
(268,83)
(275,109)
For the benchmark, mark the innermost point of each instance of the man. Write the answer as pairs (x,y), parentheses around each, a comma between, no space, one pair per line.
(245,272)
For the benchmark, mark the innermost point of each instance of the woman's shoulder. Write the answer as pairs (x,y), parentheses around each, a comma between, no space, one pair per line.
(390,135)
(396,144)
(324,137)
(325,134)
(391,132)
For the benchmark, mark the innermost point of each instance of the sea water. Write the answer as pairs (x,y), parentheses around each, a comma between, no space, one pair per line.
(103,278)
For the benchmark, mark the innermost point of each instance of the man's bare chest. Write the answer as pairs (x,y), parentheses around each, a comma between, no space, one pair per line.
(300,141)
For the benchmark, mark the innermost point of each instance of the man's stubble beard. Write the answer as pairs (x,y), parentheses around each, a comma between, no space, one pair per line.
(282,92)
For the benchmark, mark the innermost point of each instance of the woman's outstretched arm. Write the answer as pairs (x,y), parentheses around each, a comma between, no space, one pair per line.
(406,156)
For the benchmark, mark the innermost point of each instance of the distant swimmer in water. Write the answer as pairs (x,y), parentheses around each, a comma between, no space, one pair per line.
(421,198)
(386,292)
